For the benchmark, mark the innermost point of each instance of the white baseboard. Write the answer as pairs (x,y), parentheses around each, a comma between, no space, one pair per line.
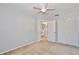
(18,47)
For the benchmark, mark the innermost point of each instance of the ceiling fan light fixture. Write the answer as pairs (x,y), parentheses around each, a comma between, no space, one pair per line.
(43,10)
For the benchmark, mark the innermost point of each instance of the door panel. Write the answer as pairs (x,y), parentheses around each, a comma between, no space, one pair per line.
(52,31)
(69,32)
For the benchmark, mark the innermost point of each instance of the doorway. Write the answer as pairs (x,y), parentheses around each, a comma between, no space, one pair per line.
(47,30)
(44,30)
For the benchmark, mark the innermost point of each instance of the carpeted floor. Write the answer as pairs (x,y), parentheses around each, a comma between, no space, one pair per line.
(45,48)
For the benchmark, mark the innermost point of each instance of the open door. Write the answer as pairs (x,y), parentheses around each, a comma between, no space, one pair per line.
(52,31)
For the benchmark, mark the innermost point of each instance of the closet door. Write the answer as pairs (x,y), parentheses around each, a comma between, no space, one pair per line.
(52,31)
(69,33)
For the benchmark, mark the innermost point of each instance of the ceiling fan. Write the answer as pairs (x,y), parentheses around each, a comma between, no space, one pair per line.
(44,8)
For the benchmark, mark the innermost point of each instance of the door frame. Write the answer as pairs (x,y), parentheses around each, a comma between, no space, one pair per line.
(46,34)
(39,29)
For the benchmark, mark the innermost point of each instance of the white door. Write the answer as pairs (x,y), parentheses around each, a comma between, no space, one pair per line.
(52,31)
(69,32)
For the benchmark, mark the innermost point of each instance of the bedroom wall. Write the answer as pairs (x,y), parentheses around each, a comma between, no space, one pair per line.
(16,28)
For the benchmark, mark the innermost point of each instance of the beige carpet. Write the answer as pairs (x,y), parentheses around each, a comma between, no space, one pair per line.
(45,48)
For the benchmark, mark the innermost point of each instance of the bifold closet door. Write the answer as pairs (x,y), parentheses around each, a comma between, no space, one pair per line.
(52,31)
(69,32)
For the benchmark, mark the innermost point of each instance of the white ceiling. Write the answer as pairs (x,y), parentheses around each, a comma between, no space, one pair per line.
(63,9)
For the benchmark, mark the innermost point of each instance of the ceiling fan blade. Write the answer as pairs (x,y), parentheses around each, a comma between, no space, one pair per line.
(39,12)
(51,9)
(37,8)
(57,15)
